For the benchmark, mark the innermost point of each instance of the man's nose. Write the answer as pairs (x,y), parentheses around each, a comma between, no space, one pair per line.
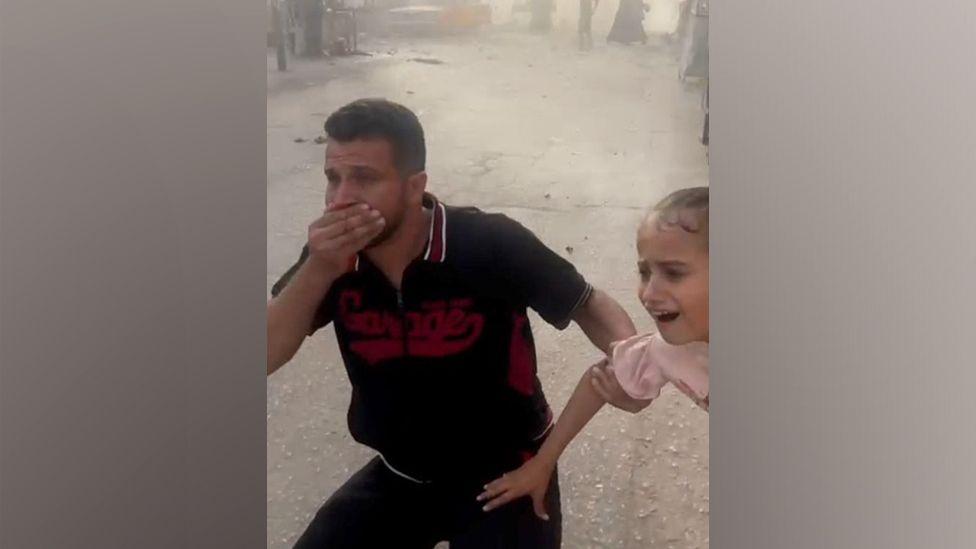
(344,193)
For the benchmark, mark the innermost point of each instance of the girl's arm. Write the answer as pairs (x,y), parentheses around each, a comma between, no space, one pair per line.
(609,389)
(532,478)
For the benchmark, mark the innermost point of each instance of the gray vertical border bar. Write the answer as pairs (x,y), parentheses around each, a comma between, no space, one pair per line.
(843,158)
(132,223)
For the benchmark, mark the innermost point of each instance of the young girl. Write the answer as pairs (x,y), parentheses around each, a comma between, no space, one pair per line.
(672,249)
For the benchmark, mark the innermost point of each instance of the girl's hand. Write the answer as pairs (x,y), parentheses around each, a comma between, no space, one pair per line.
(605,384)
(531,479)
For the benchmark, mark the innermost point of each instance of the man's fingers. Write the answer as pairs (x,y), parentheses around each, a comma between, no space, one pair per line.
(357,239)
(325,232)
(348,218)
(604,394)
(345,245)
(374,227)
(603,382)
(336,214)
(362,236)
(350,224)
(601,375)
(333,239)
(347,207)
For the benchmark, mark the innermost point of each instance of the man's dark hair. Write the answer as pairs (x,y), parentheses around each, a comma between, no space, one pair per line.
(379,118)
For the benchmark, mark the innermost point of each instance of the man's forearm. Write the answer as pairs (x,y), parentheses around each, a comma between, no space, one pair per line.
(603,320)
(291,313)
(584,403)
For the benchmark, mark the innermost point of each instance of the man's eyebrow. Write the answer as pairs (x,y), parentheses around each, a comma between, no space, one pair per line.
(368,169)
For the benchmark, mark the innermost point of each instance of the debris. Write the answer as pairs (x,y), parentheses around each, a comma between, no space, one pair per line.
(409,92)
(569,249)
(299,140)
(548,195)
(427,60)
(320,140)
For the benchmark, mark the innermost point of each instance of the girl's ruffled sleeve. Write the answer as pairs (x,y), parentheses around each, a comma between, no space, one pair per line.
(635,365)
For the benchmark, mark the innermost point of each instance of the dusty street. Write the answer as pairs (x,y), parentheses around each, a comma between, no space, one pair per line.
(573,145)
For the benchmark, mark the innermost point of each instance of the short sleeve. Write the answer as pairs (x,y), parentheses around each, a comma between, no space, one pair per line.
(542,279)
(323,315)
(637,367)
(285,278)
(645,363)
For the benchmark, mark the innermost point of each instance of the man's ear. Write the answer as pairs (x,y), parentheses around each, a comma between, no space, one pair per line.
(416,186)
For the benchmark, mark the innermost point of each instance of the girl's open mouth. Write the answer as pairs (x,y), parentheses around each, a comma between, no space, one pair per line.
(665,317)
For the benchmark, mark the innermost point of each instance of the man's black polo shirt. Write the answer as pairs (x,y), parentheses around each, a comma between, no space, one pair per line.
(443,372)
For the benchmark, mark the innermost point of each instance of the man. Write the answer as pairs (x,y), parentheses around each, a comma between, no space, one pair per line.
(586,23)
(312,13)
(428,303)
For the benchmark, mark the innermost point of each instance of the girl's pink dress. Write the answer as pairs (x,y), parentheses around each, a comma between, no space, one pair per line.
(644,363)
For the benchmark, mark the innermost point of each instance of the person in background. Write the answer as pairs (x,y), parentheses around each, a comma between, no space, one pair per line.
(628,25)
(586,8)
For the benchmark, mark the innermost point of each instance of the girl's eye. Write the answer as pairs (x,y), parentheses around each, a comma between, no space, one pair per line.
(673,275)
